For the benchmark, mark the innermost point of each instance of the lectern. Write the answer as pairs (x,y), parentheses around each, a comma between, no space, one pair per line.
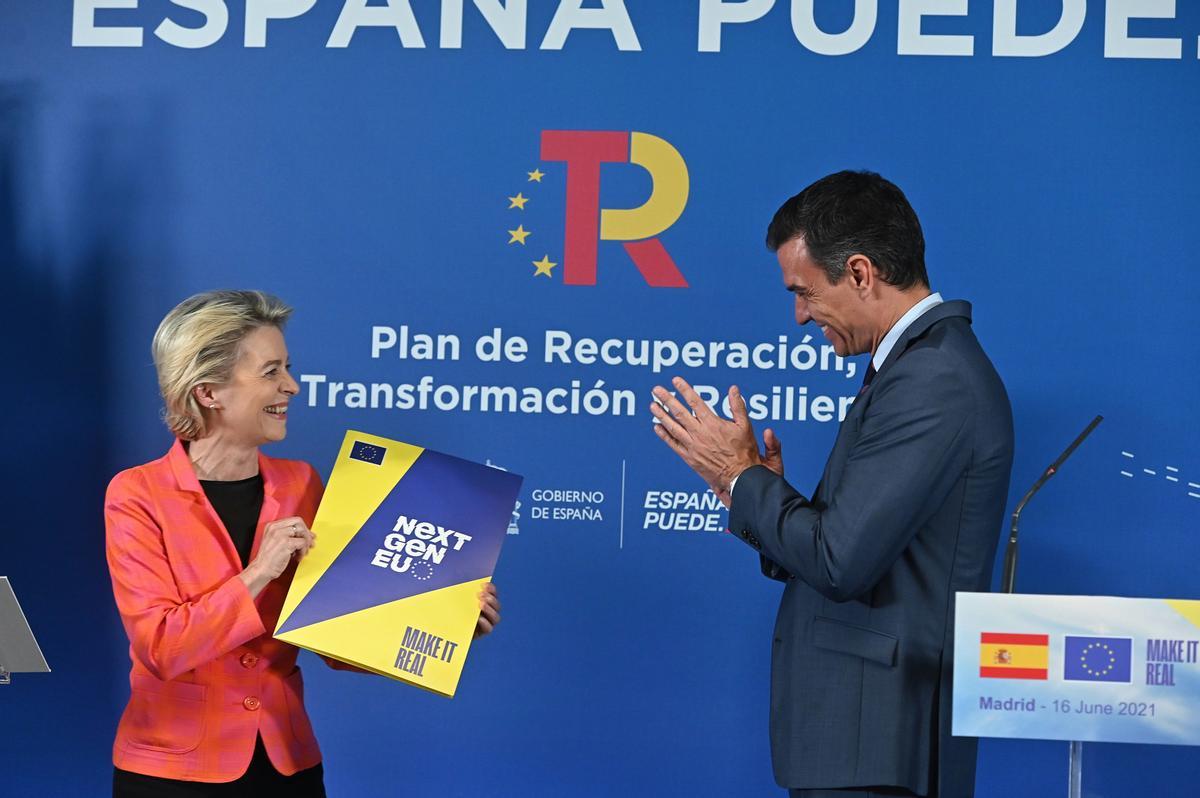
(19,651)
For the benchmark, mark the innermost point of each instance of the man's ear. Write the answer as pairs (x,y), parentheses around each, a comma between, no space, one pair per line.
(860,271)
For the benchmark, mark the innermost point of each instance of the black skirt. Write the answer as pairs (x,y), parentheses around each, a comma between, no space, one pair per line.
(260,779)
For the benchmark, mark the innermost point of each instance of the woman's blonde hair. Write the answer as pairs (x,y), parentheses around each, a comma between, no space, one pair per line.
(199,341)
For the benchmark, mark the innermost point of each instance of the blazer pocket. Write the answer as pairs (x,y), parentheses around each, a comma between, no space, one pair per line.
(165,716)
(860,641)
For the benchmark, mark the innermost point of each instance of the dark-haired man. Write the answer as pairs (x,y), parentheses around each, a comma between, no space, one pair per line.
(907,512)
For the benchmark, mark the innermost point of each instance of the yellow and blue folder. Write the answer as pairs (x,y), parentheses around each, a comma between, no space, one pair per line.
(407,537)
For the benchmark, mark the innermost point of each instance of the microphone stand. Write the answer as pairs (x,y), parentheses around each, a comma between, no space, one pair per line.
(1008,584)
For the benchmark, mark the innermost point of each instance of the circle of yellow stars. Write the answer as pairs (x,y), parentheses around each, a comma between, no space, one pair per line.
(545,266)
(421,573)
(1112,660)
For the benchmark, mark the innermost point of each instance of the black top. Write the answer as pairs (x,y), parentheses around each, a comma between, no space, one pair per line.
(238,504)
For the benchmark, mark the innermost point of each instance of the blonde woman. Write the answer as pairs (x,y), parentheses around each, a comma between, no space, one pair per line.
(202,545)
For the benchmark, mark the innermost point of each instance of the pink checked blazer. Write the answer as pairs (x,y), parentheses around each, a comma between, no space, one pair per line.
(207,676)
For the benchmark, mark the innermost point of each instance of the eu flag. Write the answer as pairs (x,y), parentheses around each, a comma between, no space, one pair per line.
(367,452)
(1098,659)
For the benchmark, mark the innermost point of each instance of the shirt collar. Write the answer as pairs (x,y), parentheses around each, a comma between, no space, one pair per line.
(905,321)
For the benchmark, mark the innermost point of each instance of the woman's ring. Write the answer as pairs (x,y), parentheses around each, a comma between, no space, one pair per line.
(295,531)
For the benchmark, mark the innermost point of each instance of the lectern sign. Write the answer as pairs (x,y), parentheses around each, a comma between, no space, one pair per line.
(1093,668)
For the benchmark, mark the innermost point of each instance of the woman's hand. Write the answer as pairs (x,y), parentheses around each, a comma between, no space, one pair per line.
(489,611)
(282,540)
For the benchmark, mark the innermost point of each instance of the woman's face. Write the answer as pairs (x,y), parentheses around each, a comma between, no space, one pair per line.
(253,404)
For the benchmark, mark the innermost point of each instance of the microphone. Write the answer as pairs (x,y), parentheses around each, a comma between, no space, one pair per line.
(1008,582)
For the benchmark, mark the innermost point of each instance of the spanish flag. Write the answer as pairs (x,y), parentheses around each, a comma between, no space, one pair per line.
(1013,656)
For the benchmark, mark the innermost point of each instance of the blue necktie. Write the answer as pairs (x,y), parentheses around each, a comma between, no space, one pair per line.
(870,375)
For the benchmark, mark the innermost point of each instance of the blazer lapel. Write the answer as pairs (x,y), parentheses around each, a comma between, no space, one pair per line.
(215,534)
(270,505)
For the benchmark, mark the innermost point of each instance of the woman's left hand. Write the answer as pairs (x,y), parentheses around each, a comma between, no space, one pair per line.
(489,611)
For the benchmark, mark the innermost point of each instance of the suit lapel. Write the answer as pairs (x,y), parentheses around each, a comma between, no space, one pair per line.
(956,308)
(848,430)
(953,309)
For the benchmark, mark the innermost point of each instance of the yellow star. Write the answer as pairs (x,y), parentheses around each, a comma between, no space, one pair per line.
(536,176)
(544,266)
(519,235)
(517,202)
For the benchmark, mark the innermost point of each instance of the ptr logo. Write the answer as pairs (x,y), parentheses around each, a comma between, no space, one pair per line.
(587,224)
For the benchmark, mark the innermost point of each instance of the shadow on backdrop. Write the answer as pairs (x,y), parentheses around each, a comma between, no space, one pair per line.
(66,279)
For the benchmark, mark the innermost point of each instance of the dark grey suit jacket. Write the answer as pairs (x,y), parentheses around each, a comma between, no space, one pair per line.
(909,510)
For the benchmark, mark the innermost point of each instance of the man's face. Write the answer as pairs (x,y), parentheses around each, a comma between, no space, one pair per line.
(838,309)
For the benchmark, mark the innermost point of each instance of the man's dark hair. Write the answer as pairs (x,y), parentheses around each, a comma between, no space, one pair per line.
(849,213)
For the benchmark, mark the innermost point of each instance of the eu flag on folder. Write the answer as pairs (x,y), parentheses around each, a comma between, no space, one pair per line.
(367,452)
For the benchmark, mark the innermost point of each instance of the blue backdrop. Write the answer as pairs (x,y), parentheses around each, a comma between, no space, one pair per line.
(369,185)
